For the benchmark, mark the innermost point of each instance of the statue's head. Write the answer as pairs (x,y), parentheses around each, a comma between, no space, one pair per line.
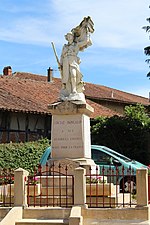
(69,36)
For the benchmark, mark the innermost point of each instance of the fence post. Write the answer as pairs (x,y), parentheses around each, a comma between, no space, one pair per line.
(142,187)
(20,198)
(79,186)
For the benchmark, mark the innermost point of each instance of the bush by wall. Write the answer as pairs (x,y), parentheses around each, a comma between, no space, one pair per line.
(24,155)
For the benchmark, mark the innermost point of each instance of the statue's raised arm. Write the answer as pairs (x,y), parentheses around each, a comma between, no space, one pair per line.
(78,39)
(82,33)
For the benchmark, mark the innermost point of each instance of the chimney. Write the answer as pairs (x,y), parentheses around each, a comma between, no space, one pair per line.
(7,71)
(49,74)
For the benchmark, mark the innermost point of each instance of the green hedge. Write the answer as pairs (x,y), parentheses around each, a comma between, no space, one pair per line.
(24,155)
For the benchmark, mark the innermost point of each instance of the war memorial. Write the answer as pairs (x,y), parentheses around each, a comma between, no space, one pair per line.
(71,114)
(62,198)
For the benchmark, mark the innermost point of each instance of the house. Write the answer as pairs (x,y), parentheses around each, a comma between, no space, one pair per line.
(24,98)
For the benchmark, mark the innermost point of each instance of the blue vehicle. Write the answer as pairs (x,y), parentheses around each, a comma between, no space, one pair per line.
(108,159)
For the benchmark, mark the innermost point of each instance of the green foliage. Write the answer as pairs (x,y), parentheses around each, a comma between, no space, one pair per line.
(137,113)
(129,135)
(24,155)
(147,49)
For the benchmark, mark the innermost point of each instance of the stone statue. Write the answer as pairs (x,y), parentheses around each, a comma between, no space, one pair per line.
(78,39)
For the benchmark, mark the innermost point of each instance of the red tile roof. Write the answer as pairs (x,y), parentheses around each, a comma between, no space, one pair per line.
(32,93)
(100,110)
(26,94)
(94,90)
(103,93)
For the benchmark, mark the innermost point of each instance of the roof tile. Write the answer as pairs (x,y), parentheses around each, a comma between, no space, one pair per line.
(28,92)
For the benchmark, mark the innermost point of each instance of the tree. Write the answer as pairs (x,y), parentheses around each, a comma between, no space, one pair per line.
(138,113)
(147,49)
(129,134)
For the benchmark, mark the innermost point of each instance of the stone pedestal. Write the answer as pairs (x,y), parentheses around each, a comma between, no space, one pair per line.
(71,130)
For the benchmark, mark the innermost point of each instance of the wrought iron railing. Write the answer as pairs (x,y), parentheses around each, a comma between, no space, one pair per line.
(51,187)
(112,187)
(6,187)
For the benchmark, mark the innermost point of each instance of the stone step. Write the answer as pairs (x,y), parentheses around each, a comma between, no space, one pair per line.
(4,211)
(57,190)
(55,181)
(51,201)
(108,201)
(46,190)
(42,222)
(44,200)
(46,212)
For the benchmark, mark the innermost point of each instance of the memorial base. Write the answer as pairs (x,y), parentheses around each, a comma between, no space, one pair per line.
(71,130)
(71,164)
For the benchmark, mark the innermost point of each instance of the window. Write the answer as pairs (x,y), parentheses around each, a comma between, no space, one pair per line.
(101,158)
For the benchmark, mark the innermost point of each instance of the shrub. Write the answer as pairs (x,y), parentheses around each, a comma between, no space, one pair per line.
(25,155)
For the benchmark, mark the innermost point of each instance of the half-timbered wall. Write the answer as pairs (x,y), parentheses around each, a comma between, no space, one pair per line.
(17,127)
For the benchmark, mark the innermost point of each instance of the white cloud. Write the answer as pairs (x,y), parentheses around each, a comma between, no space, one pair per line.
(118,40)
(26,30)
(118,24)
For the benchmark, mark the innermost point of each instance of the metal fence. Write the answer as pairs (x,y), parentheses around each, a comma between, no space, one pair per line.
(113,187)
(51,187)
(6,187)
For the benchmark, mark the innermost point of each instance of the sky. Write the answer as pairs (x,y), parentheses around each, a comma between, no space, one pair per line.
(116,58)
